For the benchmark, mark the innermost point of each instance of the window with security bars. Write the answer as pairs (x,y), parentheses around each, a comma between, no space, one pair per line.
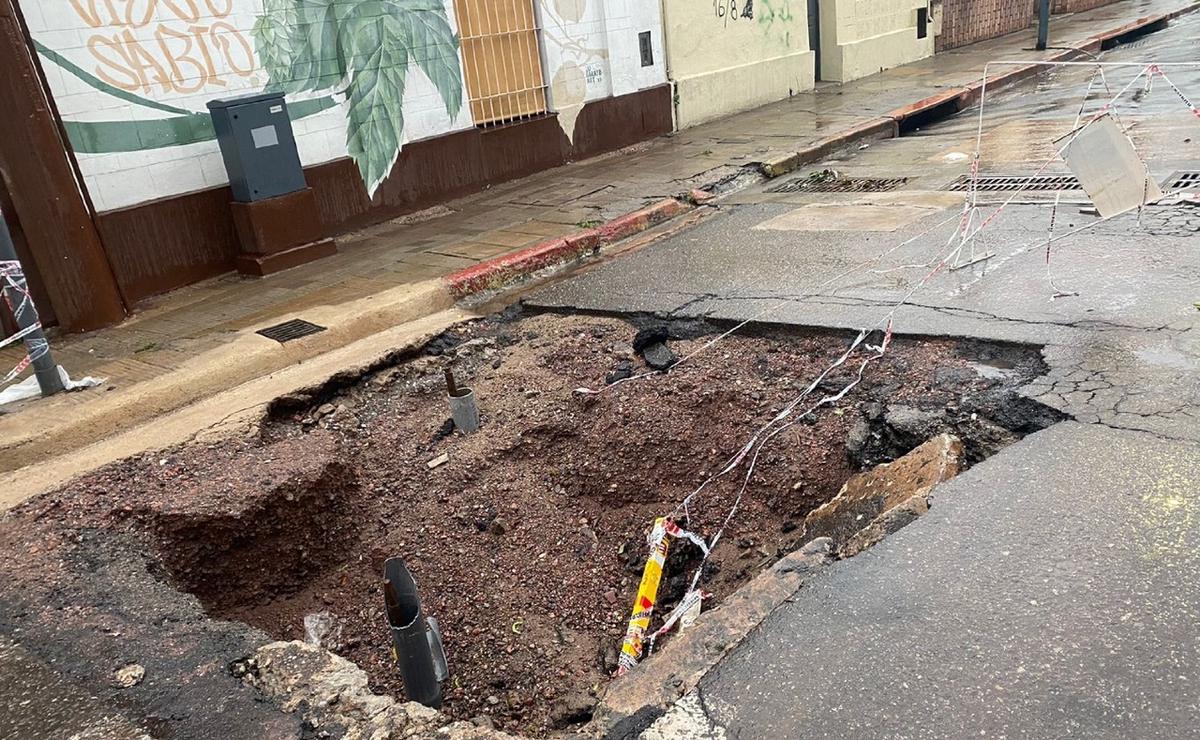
(502,62)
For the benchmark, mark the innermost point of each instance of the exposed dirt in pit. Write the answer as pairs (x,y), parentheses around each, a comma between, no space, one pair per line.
(528,544)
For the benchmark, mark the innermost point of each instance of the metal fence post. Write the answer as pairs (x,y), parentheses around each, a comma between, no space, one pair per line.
(44,367)
(1043,24)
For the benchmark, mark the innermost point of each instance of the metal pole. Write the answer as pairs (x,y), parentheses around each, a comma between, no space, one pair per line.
(44,367)
(1043,24)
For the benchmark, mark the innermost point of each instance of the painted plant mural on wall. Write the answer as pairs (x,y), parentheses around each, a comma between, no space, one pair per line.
(149,53)
(363,49)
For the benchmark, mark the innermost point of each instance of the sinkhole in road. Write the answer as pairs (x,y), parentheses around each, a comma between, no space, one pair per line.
(527,538)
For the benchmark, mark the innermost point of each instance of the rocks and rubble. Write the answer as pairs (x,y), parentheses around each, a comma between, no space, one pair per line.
(868,496)
(333,695)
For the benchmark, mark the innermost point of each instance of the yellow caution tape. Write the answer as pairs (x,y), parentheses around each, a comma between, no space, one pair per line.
(643,605)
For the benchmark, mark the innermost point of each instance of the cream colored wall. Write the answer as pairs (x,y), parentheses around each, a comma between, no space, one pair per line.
(722,62)
(862,37)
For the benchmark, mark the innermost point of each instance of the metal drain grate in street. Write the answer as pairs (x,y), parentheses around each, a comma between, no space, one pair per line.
(1183,181)
(1013,183)
(839,185)
(289,330)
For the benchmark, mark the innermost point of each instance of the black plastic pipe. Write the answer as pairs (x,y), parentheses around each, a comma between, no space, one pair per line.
(412,645)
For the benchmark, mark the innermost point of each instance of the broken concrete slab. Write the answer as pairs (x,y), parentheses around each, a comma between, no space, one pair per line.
(332,695)
(889,522)
(867,496)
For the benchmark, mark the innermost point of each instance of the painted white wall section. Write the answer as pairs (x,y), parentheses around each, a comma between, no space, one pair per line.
(726,56)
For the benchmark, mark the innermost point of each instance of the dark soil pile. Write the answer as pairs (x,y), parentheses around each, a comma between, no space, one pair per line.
(528,542)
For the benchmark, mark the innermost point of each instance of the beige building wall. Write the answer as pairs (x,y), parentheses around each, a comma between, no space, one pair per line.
(726,56)
(862,37)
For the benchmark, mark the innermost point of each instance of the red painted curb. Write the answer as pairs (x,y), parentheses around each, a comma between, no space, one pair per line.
(507,268)
(878,128)
(933,101)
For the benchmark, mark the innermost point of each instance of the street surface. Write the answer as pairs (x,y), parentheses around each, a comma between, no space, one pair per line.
(1054,589)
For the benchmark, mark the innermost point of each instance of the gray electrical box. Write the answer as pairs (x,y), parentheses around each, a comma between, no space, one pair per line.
(255,134)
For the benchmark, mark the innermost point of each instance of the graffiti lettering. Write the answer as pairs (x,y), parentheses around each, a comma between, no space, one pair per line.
(730,10)
(173,52)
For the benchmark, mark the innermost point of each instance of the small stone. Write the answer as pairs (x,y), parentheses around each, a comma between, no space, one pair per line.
(623,351)
(438,461)
(659,356)
(623,371)
(611,596)
(493,700)
(857,438)
(610,656)
(649,336)
(129,676)
(324,410)
(915,424)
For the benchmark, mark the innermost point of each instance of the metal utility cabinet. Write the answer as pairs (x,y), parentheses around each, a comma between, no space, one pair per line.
(275,213)
(255,135)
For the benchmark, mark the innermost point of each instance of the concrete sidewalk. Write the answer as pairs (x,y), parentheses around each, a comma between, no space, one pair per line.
(199,341)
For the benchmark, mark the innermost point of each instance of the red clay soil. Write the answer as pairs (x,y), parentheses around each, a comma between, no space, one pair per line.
(527,545)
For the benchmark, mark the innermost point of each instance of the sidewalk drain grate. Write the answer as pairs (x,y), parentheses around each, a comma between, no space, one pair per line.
(1013,183)
(289,330)
(839,185)
(1184,181)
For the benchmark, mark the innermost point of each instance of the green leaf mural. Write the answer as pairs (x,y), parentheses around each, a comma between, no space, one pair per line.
(364,49)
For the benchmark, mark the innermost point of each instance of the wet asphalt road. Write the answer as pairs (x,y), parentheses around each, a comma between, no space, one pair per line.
(1054,590)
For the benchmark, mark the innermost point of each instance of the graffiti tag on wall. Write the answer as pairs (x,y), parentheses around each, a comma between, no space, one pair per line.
(731,10)
(180,46)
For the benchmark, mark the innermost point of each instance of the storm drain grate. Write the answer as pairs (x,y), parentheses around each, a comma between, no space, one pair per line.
(1013,183)
(1184,181)
(817,184)
(289,330)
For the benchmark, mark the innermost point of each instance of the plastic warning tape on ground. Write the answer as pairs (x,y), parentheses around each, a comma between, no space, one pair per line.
(647,595)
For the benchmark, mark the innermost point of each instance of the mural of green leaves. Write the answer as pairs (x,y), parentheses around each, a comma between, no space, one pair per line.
(362,48)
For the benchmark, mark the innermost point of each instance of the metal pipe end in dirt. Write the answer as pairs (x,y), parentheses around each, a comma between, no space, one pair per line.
(416,647)
(464,409)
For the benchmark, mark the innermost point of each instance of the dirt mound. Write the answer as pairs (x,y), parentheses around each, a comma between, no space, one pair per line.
(260,529)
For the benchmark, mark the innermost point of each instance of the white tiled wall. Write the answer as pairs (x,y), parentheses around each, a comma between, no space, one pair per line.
(625,20)
(603,43)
